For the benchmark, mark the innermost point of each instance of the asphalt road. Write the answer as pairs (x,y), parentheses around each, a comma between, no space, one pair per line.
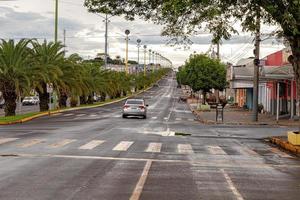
(96,154)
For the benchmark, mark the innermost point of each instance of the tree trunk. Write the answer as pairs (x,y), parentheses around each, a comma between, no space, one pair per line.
(44,98)
(295,60)
(10,97)
(83,100)
(63,99)
(204,97)
(90,99)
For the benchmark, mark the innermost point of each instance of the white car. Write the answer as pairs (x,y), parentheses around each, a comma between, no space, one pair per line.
(30,101)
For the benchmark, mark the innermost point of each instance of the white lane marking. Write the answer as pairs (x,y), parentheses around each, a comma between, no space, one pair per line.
(5,140)
(61,143)
(80,115)
(140,184)
(30,143)
(93,115)
(123,146)
(216,150)
(154,147)
(92,144)
(154,117)
(165,118)
(191,120)
(185,148)
(67,115)
(235,191)
(178,119)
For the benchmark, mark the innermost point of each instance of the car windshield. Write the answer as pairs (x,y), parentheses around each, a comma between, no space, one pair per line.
(135,102)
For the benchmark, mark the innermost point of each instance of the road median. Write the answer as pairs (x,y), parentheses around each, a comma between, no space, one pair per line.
(18,119)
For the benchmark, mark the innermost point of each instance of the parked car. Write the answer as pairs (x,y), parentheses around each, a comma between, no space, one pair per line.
(135,107)
(2,102)
(30,101)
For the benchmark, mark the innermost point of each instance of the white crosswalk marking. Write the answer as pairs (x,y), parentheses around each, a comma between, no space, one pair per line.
(67,115)
(93,115)
(30,143)
(178,119)
(154,147)
(92,144)
(80,115)
(154,117)
(245,151)
(123,146)
(5,140)
(61,143)
(165,118)
(185,148)
(216,150)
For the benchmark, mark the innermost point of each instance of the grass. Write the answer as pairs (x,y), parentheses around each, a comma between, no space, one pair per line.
(18,117)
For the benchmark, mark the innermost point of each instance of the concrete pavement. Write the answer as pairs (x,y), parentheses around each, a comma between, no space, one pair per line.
(96,154)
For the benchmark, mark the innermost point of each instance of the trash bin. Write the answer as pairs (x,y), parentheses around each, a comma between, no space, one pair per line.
(219,113)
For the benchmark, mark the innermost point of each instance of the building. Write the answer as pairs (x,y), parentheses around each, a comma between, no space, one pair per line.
(277,88)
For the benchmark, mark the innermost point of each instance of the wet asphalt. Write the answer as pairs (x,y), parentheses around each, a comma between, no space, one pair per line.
(96,154)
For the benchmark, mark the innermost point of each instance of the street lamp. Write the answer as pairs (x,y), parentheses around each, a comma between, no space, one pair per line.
(138,46)
(127,32)
(154,62)
(145,53)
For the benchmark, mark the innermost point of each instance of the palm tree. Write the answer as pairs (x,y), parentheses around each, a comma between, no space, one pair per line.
(15,72)
(49,57)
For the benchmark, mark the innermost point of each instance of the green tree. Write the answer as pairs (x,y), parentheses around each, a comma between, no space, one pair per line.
(48,57)
(183,18)
(15,72)
(203,73)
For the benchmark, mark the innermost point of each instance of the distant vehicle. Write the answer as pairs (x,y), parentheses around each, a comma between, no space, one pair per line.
(2,102)
(30,101)
(135,107)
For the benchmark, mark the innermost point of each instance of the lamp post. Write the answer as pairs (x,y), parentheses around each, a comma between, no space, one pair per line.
(154,62)
(127,32)
(138,46)
(145,53)
(150,51)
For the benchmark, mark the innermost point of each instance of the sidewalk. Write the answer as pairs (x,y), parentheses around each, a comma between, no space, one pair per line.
(238,116)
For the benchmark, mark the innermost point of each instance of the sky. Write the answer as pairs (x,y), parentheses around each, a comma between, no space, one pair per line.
(85,32)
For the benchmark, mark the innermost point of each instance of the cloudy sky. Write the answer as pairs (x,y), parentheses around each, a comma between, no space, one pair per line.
(85,32)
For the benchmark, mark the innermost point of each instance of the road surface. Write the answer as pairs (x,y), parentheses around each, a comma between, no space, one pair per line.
(96,154)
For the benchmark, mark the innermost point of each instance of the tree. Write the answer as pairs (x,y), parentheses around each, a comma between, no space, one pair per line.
(202,73)
(48,57)
(15,72)
(183,18)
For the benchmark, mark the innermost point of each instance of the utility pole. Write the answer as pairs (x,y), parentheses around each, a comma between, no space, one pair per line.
(217,92)
(256,68)
(56,21)
(106,39)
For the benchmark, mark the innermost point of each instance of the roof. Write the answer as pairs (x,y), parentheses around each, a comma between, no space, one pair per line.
(245,71)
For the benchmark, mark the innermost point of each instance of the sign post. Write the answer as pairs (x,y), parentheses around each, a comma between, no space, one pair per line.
(50,91)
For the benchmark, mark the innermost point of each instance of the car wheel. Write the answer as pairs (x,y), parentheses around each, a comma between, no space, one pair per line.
(145,116)
(124,116)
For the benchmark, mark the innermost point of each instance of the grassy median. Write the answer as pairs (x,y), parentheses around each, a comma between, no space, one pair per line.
(17,117)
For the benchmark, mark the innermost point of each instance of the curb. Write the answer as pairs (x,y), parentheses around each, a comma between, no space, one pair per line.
(285,145)
(71,109)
